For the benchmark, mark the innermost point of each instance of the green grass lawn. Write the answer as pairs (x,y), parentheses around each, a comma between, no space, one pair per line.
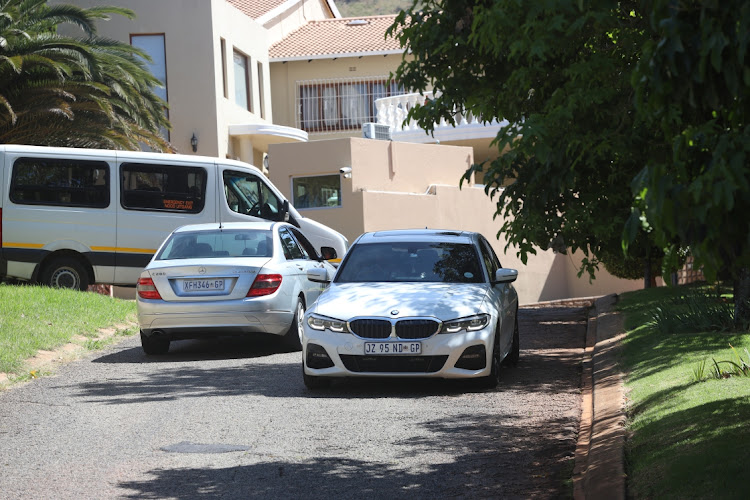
(34,318)
(686,438)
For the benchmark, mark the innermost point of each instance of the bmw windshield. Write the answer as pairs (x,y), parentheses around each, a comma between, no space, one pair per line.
(427,262)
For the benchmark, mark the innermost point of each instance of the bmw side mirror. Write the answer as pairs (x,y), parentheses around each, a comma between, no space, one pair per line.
(318,275)
(506,275)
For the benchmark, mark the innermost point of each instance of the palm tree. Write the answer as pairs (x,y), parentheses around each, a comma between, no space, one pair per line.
(58,90)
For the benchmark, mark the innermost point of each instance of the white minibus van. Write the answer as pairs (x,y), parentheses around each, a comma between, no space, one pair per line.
(74,217)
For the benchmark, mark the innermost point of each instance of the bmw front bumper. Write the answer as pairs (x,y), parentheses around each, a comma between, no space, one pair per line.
(331,354)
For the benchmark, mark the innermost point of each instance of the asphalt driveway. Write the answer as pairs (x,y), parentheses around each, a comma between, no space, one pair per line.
(232,419)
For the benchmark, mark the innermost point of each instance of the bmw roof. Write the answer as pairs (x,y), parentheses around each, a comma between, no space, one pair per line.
(442,235)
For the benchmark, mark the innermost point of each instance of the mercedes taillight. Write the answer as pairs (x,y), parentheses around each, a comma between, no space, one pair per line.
(265,284)
(147,290)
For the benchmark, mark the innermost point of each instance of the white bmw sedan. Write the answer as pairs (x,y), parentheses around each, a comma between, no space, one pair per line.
(235,278)
(413,303)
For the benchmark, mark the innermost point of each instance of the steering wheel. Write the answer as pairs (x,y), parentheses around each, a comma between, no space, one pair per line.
(253,209)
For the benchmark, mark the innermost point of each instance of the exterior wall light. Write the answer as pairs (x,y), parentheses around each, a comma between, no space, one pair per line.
(194,143)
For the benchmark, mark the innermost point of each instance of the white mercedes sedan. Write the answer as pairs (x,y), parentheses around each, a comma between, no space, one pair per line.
(234,278)
(413,303)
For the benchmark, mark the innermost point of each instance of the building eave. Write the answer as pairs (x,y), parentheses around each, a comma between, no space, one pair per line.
(336,56)
(266,133)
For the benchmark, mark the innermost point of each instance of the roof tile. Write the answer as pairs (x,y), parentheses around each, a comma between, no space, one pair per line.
(331,37)
(256,8)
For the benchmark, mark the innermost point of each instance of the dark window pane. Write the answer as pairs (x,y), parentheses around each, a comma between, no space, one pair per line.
(60,182)
(419,261)
(163,187)
(216,244)
(319,191)
(291,249)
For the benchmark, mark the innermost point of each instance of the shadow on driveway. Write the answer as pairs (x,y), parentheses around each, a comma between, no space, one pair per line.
(552,340)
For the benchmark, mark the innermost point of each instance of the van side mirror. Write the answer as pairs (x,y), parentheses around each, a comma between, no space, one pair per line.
(285,211)
(328,253)
(506,275)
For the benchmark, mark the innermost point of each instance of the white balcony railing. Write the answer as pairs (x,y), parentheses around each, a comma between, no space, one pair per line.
(339,105)
(392,111)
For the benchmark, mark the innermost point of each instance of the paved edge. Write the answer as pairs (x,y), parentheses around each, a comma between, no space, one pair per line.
(599,471)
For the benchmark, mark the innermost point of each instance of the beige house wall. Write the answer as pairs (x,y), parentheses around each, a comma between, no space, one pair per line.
(604,282)
(189,54)
(192,31)
(251,39)
(285,75)
(402,186)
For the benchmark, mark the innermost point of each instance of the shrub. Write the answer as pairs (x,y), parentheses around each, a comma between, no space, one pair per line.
(692,312)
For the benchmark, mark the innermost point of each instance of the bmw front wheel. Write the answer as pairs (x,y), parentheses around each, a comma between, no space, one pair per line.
(493,379)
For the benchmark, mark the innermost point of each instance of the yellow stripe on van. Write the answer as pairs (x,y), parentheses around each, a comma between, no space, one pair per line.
(22,245)
(10,244)
(121,249)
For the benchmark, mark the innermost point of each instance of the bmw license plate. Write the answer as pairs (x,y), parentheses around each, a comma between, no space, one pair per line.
(412,348)
(201,285)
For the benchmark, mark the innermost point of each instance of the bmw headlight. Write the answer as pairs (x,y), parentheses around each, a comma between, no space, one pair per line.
(470,324)
(317,322)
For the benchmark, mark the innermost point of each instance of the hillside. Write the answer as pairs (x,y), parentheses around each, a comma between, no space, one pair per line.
(355,8)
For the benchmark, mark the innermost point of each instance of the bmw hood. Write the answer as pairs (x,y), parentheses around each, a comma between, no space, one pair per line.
(444,301)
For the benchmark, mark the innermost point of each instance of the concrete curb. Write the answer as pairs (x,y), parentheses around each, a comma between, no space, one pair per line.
(599,471)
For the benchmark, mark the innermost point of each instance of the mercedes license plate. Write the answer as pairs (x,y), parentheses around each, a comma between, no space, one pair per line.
(412,348)
(201,285)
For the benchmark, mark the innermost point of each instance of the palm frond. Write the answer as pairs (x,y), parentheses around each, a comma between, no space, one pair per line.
(82,92)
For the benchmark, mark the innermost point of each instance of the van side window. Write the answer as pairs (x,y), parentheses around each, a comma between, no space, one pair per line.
(162,187)
(246,194)
(60,182)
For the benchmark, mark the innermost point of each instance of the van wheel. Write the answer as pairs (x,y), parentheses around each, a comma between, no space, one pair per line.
(293,337)
(154,345)
(65,272)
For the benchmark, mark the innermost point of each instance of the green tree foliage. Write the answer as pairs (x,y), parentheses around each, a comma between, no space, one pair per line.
(559,72)
(694,82)
(57,90)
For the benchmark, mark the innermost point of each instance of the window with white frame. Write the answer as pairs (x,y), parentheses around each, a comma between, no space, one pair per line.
(341,104)
(319,191)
